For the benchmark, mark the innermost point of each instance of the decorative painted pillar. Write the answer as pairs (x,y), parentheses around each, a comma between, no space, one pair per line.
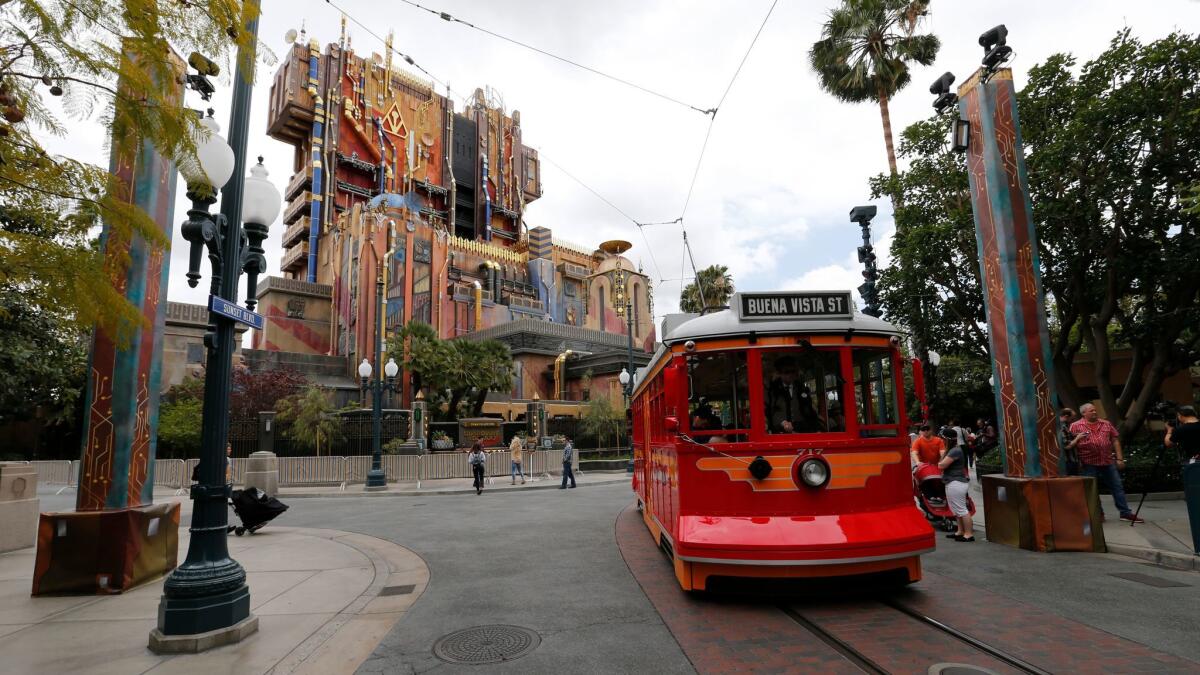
(121,423)
(1011,275)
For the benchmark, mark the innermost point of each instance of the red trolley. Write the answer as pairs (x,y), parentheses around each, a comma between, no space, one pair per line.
(770,440)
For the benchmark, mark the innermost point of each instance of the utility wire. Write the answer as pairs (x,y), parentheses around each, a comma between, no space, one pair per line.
(649,249)
(446,16)
(713,118)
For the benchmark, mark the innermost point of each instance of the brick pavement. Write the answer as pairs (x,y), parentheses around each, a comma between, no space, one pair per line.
(727,635)
(719,636)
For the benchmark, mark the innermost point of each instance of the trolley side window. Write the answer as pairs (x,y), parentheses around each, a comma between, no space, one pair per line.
(802,391)
(875,390)
(718,397)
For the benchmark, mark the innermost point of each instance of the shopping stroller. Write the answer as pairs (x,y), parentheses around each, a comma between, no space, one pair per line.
(255,508)
(930,492)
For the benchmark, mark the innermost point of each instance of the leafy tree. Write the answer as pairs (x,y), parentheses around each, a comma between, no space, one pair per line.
(179,416)
(602,419)
(309,418)
(43,356)
(1112,152)
(865,50)
(50,205)
(452,371)
(718,288)
(256,391)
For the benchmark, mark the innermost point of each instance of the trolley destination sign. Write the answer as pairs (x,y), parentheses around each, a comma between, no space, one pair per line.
(794,305)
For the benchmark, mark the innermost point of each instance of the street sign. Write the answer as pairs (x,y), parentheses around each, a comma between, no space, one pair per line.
(233,311)
(794,305)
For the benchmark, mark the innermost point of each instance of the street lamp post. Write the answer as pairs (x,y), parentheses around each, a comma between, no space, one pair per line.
(208,591)
(866,255)
(376,478)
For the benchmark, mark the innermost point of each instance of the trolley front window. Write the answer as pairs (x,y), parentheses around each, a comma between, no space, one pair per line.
(803,391)
(875,391)
(718,397)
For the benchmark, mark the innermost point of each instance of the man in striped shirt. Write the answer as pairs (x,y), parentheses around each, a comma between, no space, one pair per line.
(1097,443)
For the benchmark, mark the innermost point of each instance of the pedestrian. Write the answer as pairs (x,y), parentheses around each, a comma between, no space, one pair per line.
(928,448)
(1066,418)
(954,474)
(1185,434)
(1100,456)
(477,459)
(514,449)
(229,462)
(568,455)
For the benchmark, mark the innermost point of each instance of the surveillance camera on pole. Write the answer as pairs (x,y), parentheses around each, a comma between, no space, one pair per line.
(995,49)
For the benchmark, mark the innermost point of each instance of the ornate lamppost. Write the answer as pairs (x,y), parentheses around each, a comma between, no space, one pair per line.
(376,478)
(624,305)
(208,592)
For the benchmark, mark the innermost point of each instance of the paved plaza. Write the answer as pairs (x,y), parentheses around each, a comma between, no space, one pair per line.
(344,583)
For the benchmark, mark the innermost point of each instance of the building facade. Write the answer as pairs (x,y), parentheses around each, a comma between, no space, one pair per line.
(396,189)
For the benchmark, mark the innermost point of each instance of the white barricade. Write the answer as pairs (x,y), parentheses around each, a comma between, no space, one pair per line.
(172,473)
(53,472)
(446,465)
(402,468)
(297,471)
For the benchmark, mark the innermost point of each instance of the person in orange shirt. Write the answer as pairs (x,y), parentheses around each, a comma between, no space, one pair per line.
(927,447)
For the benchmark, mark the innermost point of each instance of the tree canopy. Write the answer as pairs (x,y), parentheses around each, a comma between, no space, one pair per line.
(309,420)
(104,59)
(718,288)
(1113,153)
(865,50)
(450,372)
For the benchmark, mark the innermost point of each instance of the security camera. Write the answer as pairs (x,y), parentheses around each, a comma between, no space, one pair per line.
(995,49)
(203,65)
(941,89)
(862,214)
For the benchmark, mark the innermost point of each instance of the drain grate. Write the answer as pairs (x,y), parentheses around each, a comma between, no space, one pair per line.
(398,590)
(1157,582)
(958,669)
(486,644)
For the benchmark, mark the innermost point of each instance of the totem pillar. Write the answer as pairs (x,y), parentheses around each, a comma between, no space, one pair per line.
(1023,507)
(116,473)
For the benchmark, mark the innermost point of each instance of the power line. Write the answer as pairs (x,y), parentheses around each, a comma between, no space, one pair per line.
(446,16)
(713,118)
(649,249)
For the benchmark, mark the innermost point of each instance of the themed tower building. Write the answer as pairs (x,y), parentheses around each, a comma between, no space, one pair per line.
(392,182)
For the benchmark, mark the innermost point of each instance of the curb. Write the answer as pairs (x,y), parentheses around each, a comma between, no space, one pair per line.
(355,494)
(1165,559)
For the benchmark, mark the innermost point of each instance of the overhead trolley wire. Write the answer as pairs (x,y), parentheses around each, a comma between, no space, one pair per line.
(446,16)
(713,117)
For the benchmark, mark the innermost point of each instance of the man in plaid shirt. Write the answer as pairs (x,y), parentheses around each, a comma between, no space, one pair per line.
(1097,444)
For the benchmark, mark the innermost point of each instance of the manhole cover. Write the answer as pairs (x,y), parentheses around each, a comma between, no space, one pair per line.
(398,590)
(486,644)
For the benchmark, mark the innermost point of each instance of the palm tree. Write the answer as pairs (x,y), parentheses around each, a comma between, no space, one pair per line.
(865,50)
(310,419)
(717,285)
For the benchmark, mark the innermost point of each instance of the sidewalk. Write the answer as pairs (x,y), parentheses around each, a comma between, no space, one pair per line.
(1165,538)
(324,600)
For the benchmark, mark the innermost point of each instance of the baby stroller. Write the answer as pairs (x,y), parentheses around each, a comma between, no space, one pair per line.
(930,492)
(255,508)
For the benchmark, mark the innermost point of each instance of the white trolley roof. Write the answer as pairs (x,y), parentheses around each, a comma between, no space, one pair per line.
(770,315)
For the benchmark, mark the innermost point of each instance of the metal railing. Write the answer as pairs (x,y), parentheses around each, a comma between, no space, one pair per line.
(333,471)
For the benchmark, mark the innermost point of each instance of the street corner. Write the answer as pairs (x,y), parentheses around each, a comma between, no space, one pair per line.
(323,598)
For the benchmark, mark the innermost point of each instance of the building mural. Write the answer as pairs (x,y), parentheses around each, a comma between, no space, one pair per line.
(393,183)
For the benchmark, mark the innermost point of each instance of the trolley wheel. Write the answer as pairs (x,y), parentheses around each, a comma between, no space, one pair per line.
(640,506)
(240,531)
(948,526)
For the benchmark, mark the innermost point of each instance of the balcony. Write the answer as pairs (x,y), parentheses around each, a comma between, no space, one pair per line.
(573,271)
(298,207)
(296,232)
(301,181)
(296,258)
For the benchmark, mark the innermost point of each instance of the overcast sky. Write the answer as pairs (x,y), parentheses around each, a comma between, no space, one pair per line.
(785,162)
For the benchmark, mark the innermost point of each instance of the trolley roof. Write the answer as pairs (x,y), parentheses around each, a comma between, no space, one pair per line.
(742,318)
(737,320)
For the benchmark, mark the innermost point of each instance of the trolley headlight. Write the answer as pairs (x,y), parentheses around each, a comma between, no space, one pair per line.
(814,472)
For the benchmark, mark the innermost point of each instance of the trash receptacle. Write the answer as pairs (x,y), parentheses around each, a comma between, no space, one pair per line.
(1191,494)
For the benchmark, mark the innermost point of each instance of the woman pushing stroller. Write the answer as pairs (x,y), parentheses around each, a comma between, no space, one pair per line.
(954,474)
